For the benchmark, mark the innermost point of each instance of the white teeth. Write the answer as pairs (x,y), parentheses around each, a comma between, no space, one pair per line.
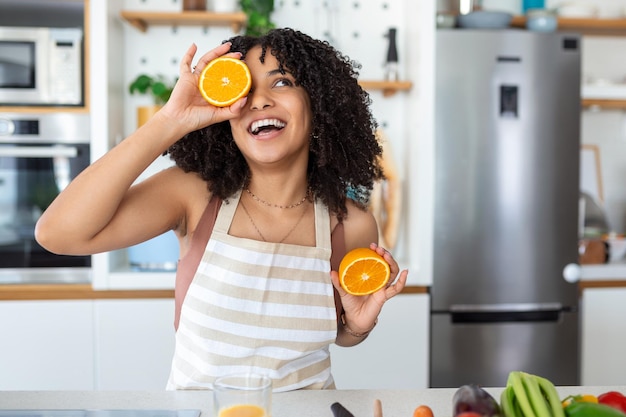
(254,128)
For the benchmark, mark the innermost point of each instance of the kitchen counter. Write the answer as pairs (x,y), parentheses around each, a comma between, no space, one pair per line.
(62,291)
(10,292)
(75,284)
(610,271)
(395,403)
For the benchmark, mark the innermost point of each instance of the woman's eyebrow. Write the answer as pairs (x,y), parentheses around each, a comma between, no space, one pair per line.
(276,72)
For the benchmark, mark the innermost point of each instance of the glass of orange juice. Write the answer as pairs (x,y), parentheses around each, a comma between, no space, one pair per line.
(242,395)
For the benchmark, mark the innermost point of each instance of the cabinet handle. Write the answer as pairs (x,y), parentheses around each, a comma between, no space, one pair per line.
(39,151)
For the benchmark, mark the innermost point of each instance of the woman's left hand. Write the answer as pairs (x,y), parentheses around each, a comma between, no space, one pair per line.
(362,311)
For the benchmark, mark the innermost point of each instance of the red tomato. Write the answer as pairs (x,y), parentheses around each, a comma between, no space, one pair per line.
(613,399)
(423,411)
(468,414)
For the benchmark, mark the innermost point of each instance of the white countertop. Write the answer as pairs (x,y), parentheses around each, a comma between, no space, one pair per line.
(396,403)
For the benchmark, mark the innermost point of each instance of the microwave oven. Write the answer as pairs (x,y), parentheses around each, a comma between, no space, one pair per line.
(41,66)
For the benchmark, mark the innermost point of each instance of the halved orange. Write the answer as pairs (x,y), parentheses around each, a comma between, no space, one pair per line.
(362,271)
(224,81)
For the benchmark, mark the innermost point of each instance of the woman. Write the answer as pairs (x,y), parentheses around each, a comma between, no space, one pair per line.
(258,201)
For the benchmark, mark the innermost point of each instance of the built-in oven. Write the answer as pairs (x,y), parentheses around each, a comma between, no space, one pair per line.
(39,155)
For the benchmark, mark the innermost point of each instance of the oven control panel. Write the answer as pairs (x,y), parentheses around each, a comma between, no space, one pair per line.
(10,127)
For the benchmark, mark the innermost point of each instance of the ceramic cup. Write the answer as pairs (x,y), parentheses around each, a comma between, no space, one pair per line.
(242,394)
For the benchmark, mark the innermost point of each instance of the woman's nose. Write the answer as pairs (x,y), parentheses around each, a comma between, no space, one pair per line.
(258,99)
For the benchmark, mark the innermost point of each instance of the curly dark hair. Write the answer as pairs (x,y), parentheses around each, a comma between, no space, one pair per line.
(344,152)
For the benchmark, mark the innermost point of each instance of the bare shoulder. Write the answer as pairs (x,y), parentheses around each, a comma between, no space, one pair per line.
(178,183)
(187,194)
(360,227)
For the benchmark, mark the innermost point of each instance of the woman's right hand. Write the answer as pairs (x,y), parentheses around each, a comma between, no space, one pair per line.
(186,105)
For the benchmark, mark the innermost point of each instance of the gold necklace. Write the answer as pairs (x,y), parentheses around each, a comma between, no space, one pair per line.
(261,234)
(260,200)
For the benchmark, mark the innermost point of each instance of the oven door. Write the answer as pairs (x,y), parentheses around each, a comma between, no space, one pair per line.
(31,176)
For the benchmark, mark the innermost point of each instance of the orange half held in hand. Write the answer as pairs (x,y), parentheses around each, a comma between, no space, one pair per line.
(362,271)
(224,81)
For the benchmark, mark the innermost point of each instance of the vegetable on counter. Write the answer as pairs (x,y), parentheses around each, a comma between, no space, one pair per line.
(527,395)
(423,411)
(613,399)
(582,398)
(472,398)
(587,409)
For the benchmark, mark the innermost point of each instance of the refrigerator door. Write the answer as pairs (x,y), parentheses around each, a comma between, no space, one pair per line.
(506,167)
(470,350)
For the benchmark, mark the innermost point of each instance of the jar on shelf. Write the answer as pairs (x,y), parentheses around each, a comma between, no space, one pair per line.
(194,5)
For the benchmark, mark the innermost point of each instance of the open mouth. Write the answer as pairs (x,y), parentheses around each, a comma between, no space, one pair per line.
(266,125)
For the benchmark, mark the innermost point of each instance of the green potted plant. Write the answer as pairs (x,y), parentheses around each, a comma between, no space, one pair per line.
(156,86)
(259,14)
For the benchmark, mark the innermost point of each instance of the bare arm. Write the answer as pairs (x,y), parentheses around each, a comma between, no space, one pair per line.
(100,210)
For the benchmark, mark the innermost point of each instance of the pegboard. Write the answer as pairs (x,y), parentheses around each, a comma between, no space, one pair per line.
(357,28)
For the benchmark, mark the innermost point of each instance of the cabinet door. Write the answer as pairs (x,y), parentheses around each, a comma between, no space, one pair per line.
(46,345)
(604,336)
(395,354)
(134,343)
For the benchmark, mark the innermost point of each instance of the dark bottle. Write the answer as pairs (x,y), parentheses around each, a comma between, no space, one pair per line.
(391,66)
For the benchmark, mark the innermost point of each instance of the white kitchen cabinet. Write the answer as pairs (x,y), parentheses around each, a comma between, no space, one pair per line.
(46,345)
(134,343)
(603,336)
(395,355)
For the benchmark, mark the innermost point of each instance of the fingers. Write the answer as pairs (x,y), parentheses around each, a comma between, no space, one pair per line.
(382,252)
(388,257)
(214,53)
(185,62)
(236,107)
(394,286)
(334,277)
(397,287)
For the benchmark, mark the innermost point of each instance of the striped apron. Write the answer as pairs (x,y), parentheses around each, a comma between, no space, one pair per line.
(258,307)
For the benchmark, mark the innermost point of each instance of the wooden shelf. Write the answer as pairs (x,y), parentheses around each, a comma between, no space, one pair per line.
(607,104)
(589,27)
(43,109)
(604,96)
(143,20)
(586,26)
(389,88)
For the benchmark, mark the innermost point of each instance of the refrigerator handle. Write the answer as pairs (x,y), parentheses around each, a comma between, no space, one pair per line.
(506,313)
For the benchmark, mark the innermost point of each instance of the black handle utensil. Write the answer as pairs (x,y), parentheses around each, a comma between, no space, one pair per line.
(340,411)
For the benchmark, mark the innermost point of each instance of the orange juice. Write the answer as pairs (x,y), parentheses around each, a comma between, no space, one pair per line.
(242,410)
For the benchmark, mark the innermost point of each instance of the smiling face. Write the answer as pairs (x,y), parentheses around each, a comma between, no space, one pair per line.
(275,125)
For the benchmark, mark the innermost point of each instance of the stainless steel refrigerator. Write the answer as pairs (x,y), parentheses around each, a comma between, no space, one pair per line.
(506,207)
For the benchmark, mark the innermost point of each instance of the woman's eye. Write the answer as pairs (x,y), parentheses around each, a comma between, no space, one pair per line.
(283,82)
